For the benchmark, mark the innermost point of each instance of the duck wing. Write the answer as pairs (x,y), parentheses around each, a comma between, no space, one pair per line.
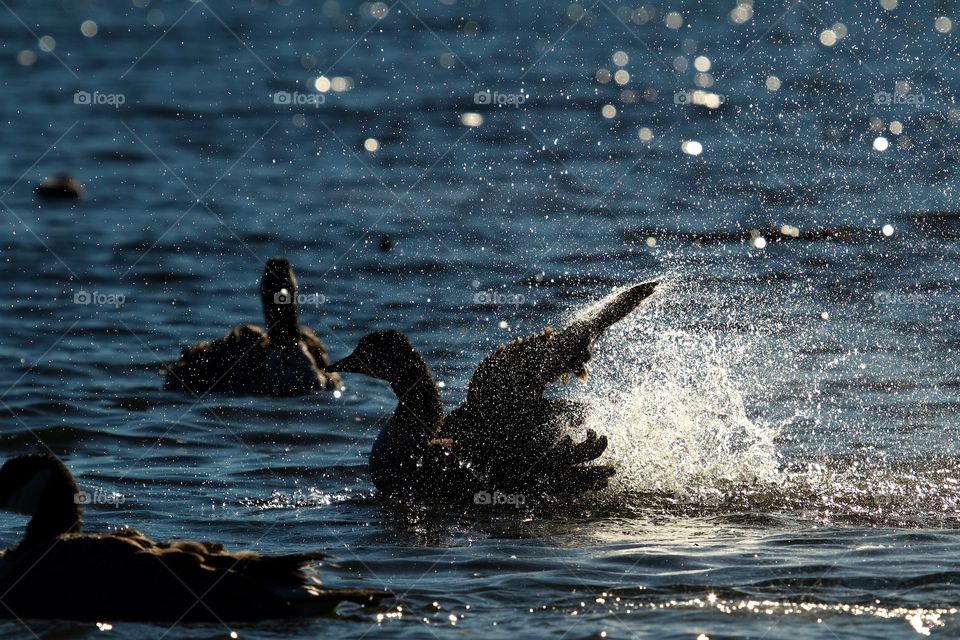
(227,364)
(124,575)
(515,436)
(529,454)
(512,380)
(329,380)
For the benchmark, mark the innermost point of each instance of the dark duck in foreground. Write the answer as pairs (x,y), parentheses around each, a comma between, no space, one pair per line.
(506,437)
(56,572)
(286,359)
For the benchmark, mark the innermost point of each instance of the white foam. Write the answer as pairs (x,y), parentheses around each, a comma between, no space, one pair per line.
(670,405)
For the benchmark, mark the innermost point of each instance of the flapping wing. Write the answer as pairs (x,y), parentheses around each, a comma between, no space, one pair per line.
(517,437)
(515,376)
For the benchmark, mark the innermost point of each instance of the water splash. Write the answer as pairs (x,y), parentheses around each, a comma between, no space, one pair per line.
(674,413)
(689,392)
(298,499)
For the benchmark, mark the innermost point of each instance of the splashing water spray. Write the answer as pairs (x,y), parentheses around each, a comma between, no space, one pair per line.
(676,419)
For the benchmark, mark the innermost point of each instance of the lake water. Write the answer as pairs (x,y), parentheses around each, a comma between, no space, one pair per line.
(783,413)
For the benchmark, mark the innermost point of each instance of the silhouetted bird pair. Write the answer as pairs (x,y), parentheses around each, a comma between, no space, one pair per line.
(505,437)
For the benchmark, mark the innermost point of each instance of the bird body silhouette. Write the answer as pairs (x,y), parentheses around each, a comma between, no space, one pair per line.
(285,359)
(59,572)
(506,437)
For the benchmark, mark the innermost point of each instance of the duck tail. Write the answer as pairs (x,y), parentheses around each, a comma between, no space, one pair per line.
(323,601)
(307,595)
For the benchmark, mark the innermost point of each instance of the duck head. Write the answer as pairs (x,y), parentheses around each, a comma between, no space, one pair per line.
(40,486)
(278,293)
(386,355)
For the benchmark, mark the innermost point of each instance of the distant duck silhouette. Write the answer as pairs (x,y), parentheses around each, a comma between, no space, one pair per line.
(506,436)
(286,359)
(60,187)
(57,572)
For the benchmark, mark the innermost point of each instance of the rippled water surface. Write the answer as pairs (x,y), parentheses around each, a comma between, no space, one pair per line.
(783,414)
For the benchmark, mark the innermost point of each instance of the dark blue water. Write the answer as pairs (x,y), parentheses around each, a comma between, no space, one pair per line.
(783,414)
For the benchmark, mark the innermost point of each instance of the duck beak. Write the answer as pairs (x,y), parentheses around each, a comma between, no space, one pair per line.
(350,364)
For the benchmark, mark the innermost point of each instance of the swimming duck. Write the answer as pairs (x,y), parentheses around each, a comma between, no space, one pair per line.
(57,572)
(506,437)
(286,359)
(61,187)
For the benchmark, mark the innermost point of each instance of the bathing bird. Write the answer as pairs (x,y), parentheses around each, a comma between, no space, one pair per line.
(285,359)
(59,572)
(506,437)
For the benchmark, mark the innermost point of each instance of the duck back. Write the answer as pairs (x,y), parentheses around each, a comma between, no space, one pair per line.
(124,575)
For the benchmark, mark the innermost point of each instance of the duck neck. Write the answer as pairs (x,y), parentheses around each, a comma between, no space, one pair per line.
(419,407)
(283,326)
(59,512)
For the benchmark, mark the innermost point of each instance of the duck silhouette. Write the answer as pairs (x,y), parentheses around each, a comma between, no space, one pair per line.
(58,572)
(59,187)
(506,437)
(285,359)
